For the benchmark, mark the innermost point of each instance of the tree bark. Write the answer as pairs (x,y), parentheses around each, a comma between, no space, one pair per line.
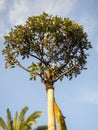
(51,114)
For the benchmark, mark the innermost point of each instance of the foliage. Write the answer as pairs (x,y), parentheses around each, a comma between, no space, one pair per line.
(19,122)
(55,44)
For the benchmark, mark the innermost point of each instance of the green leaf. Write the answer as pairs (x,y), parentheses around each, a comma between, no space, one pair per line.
(15,120)
(32,118)
(9,120)
(3,124)
(21,116)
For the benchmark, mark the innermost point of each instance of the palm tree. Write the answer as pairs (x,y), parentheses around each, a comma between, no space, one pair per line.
(19,122)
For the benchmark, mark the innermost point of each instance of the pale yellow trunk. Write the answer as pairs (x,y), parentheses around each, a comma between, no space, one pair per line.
(51,117)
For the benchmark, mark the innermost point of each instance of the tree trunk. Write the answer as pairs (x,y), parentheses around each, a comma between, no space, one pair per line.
(51,115)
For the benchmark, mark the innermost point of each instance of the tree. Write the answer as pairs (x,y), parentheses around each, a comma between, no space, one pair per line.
(19,122)
(57,47)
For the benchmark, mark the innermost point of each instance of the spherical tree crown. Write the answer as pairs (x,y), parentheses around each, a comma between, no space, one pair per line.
(58,44)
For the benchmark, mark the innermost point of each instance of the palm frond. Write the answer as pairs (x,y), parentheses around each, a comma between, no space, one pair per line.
(15,121)
(21,117)
(3,124)
(32,118)
(26,127)
(9,120)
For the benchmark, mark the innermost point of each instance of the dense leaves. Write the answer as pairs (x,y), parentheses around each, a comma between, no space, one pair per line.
(58,45)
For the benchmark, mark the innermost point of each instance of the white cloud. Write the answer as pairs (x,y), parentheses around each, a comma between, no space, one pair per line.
(89,23)
(23,8)
(91,97)
(96,48)
(2,4)
(18,12)
(3,28)
(61,7)
(83,95)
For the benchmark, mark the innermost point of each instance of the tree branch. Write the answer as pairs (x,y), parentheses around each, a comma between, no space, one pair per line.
(38,59)
(18,63)
(64,73)
(61,66)
(32,54)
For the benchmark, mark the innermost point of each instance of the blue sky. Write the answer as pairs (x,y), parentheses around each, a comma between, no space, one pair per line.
(78,98)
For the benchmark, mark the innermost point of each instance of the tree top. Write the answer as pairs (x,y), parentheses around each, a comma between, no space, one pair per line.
(56,44)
